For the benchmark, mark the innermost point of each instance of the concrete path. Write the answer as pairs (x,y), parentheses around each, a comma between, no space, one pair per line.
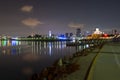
(106,66)
(84,62)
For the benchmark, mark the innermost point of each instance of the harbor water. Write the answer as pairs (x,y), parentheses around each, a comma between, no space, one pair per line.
(20,59)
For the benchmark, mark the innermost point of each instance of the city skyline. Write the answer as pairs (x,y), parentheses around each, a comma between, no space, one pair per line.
(23,17)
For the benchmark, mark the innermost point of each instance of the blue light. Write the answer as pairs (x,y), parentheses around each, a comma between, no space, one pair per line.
(62,37)
(14,43)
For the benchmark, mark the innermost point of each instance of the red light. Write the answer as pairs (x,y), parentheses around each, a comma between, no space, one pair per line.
(105,35)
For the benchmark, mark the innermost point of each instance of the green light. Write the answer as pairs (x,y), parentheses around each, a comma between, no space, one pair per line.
(4,43)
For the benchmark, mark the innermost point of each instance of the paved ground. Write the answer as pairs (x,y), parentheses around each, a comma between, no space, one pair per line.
(84,62)
(106,66)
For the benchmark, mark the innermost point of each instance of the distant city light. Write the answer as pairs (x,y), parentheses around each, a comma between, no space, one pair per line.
(87,46)
(50,34)
(73,39)
(105,35)
(62,37)
(97,31)
(15,38)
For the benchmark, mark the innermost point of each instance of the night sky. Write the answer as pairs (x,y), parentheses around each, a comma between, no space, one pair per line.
(23,17)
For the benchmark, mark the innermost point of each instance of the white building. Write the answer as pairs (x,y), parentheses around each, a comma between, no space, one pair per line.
(97,31)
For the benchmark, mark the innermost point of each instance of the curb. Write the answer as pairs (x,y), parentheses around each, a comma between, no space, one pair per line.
(92,66)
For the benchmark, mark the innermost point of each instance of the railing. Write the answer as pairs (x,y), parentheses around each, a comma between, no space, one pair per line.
(88,41)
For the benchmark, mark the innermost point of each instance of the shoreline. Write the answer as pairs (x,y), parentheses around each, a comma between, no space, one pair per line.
(67,67)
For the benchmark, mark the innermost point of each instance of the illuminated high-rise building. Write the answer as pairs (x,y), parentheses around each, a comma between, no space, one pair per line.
(67,35)
(71,34)
(50,34)
(78,32)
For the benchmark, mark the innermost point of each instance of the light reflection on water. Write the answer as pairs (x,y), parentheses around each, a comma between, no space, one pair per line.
(9,43)
(46,47)
(19,59)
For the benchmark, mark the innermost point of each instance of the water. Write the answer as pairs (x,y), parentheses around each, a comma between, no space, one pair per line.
(20,59)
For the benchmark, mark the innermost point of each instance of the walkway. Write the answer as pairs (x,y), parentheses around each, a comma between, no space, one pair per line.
(84,62)
(106,66)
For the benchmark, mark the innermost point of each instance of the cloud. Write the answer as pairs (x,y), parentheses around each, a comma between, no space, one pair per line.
(76,25)
(31,22)
(27,8)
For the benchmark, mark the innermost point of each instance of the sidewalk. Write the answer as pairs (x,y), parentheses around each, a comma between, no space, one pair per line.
(106,66)
(84,62)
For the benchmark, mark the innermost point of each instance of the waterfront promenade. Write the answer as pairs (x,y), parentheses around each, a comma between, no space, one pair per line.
(100,62)
(105,64)
(85,62)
